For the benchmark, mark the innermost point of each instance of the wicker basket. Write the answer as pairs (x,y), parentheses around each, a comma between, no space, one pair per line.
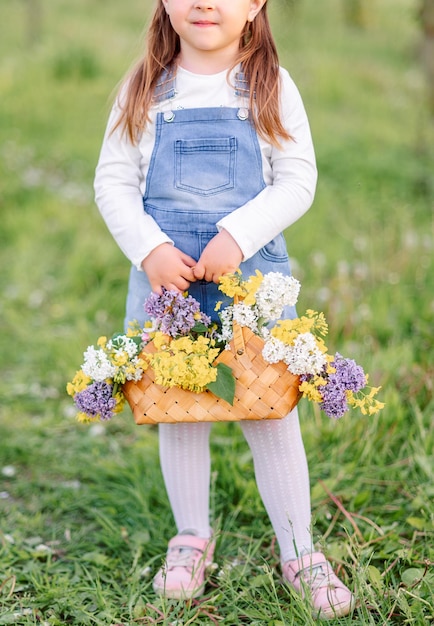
(262,390)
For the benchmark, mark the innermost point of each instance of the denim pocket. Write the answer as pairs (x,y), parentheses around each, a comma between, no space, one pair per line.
(275,251)
(205,166)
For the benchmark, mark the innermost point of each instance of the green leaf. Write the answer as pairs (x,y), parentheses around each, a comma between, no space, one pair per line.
(224,386)
(139,608)
(260,580)
(412,576)
(97,558)
(200,327)
(417,522)
(9,618)
(375,576)
(361,498)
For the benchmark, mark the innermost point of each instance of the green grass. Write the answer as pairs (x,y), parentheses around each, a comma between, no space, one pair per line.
(84,519)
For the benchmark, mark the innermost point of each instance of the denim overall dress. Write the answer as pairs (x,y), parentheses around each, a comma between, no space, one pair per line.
(206,163)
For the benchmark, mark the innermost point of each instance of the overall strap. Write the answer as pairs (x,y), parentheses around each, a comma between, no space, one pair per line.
(165,88)
(242,85)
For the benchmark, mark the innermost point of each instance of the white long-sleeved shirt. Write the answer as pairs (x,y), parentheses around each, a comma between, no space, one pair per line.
(289,172)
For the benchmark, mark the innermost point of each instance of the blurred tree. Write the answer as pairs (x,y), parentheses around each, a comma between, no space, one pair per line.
(427,19)
(34,21)
(358,12)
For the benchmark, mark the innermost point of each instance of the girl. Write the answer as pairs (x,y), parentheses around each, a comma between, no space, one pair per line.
(207,158)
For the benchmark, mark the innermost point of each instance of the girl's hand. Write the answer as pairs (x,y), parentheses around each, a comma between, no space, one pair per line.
(222,255)
(167,266)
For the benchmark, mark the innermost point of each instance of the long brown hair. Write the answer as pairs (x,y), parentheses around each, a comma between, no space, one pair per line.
(257,54)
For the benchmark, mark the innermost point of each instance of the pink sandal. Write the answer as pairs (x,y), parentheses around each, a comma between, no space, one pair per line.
(313,577)
(183,573)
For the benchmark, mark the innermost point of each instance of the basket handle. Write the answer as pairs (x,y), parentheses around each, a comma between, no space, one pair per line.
(240,346)
(239,343)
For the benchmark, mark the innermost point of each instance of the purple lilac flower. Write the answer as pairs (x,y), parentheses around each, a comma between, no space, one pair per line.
(96,400)
(175,314)
(349,374)
(334,402)
(348,377)
(156,304)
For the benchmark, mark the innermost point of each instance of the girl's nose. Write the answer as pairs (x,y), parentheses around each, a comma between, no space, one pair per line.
(204,5)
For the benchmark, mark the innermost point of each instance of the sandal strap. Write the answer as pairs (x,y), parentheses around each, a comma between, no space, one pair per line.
(317,576)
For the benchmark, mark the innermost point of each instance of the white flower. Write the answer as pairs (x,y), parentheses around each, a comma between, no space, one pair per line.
(304,356)
(274,350)
(138,371)
(123,343)
(274,293)
(97,365)
(226,317)
(245,315)
(9,471)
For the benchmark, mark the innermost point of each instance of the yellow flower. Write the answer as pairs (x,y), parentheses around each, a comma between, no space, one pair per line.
(120,402)
(288,330)
(182,344)
(329,368)
(102,341)
(84,418)
(185,363)
(134,329)
(129,370)
(79,382)
(231,285)
(320,381)
(142,364)
(120,358)
(234,286)
(251,286)
(319,324)
(285,331)
(366,402)
(161,340)
(310,391)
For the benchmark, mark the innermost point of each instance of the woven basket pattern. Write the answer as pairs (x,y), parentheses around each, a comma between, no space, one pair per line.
(262,390)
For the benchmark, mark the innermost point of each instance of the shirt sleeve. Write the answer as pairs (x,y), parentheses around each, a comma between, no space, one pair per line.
(293,181)
(119,184)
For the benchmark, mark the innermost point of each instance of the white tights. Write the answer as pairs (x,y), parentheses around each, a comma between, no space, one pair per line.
(280,469)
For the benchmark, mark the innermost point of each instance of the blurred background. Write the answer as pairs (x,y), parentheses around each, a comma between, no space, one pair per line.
(91,496)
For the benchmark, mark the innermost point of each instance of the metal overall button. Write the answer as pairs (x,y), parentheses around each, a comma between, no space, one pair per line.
(243,113)
(169,116)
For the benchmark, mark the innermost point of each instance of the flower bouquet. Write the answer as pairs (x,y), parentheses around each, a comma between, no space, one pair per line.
(252,365)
